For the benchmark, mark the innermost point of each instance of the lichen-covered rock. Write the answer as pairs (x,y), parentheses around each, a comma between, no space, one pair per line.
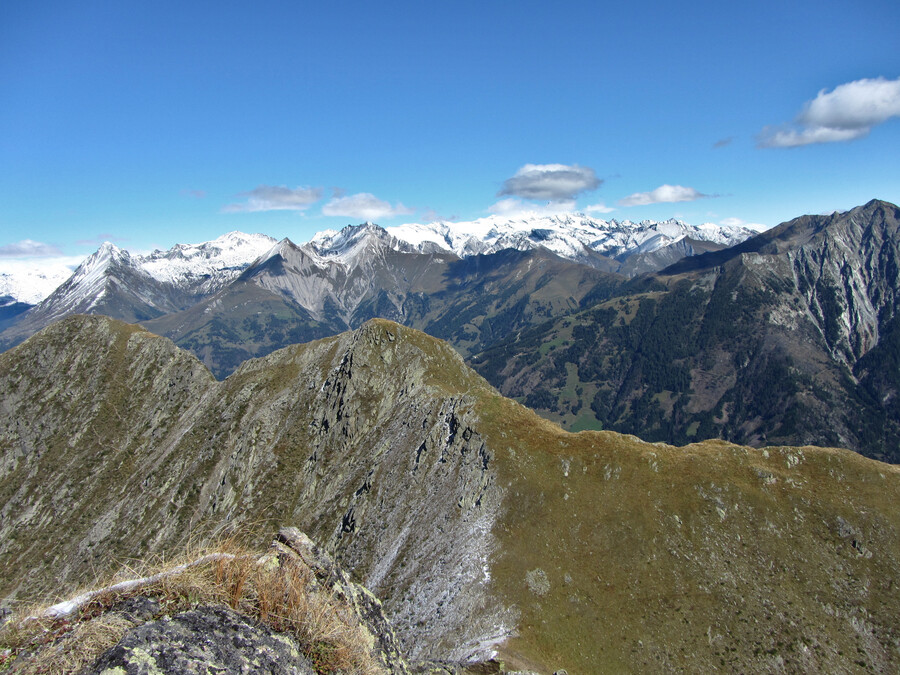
(291,610)
(207,639)
(361,600)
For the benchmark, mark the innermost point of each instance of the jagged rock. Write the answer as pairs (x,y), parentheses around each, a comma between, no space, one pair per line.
(292,542)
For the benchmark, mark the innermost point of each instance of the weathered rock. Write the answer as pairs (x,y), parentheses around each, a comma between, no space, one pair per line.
(204,640)
(129,622)
(366,607)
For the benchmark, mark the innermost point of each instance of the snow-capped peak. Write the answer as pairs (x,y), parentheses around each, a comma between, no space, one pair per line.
(89,282)
(207,265)
(351,244)
(95,265)
(331,243)
(196,268)
(570,235)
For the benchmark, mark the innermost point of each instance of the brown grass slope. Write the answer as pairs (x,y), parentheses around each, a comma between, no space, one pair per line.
(480,525)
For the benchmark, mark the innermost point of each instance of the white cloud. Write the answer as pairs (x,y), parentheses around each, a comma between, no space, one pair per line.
(598,208)
(275,198)
(553,182)
(663,194)
(516,208)
(364,206)
(27,248)
(848,112)
(792,138)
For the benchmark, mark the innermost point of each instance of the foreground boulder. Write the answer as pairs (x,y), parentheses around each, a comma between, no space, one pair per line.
(293,610)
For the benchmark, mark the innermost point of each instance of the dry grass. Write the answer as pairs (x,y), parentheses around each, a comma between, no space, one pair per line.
(84,642)
(277,590)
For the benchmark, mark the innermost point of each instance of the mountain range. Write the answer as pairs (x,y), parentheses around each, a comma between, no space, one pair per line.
(612,245)
(787,337)
(486,530)
(204,296)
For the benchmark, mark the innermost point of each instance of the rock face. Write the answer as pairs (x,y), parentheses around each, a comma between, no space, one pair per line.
(485,530)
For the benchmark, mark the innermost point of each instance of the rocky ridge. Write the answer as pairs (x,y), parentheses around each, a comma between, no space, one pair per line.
(147,625)
(486,530)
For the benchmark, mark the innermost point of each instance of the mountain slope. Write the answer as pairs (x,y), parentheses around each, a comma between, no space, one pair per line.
(298,293)
(483,527)
(786,338)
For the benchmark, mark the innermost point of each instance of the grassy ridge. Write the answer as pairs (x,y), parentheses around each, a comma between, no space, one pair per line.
(629,556)
(461,506)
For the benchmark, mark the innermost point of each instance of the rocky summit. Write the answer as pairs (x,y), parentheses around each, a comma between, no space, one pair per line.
(485,530)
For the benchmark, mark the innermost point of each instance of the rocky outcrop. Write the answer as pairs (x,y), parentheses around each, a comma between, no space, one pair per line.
(146,626)
(202,640)
(130,627)
(294,546)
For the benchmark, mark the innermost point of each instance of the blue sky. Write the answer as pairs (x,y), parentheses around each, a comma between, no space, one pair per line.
(157,123)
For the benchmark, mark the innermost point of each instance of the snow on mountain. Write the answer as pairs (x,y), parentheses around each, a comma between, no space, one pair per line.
(195,268)
(200,269)
(109,281)
(352,244)
(88,283)
(31,280)
(207,266)
(567,235)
